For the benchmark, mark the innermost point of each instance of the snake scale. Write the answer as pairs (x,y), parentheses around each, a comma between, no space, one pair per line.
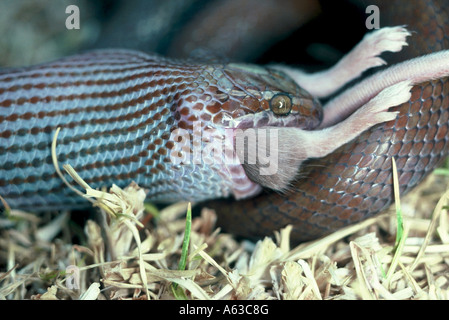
(355,182)
(118,108)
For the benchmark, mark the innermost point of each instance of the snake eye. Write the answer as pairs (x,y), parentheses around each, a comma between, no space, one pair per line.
(281,104)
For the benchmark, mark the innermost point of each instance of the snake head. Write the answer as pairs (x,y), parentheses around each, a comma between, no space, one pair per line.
(268,97)
(234,98)
(272,104)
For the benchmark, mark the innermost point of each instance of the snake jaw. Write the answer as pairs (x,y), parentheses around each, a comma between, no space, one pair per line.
(267,118)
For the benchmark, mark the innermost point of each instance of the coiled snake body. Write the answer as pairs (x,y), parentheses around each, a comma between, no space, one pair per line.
(117,110)
(355,182)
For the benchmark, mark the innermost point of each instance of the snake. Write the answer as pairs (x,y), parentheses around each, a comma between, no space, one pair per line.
(355,182)
(118,109)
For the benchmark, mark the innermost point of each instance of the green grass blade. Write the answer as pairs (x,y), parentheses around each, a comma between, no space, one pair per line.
(397,201)
(178,292)
(186,241)
(400,232)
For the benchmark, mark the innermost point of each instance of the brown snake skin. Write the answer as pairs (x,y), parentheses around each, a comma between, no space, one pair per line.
(355,182)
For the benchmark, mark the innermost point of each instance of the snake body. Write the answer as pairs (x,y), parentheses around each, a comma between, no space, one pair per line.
(355,182)
(117,110)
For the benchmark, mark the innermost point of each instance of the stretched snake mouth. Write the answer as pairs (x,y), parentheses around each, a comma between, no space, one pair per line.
(268,119)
